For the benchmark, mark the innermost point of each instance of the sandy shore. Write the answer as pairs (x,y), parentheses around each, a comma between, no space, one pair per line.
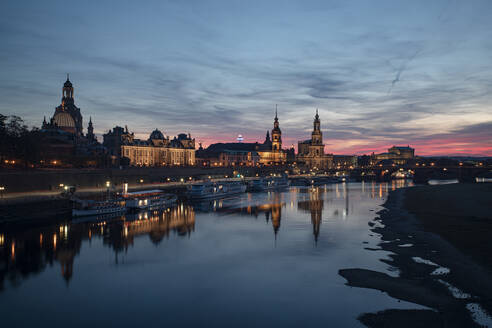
(440,237)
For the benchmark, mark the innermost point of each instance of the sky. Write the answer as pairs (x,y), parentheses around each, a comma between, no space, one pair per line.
(382,73)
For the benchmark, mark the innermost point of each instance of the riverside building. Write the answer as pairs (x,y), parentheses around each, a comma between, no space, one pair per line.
(269,152)
(157,150)
(311,152)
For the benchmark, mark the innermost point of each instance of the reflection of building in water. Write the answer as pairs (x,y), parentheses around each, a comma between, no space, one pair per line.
(272,210)
(315,206)
(157,225)
(30,251)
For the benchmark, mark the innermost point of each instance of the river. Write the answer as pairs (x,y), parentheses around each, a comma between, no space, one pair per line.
(257,259)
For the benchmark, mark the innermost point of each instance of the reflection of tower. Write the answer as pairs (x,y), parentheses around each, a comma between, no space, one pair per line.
(65,257)
(346,199)
(315,206)
(276,217)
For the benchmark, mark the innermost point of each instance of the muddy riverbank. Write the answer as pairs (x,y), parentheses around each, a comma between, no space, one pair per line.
(437,236)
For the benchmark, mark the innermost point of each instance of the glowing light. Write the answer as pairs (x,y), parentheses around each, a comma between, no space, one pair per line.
(2,239)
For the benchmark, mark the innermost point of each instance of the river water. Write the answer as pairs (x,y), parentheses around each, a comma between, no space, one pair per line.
(256,259)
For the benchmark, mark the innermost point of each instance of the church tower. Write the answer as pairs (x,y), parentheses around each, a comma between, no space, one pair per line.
(67,116)
(276,134)
(90,131)
(316,135)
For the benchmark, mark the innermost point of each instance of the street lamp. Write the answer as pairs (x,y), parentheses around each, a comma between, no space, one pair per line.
(2,190)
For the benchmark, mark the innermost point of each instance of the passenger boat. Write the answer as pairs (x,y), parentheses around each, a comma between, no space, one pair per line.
(269,183)
(209,189)
(148,199)
(97,208)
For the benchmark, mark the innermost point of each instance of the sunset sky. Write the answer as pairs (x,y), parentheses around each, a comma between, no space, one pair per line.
(382,73)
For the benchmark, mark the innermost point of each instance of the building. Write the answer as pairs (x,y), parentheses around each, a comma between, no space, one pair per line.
(269,152)
(311,152)
(63,140)
(113,140)
(158,150)
(345,161)
(67,116)
(397,154)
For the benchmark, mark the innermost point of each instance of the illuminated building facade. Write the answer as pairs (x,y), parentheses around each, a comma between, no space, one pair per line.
(269,152)
(345,161)
(311,152)
(397,154)
(158,150)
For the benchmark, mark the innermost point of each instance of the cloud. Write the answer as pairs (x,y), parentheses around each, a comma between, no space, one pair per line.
(216,73)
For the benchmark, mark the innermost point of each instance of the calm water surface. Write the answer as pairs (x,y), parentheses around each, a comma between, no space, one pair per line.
(253,260)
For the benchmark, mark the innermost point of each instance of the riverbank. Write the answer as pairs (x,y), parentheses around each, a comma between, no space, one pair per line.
(437,236)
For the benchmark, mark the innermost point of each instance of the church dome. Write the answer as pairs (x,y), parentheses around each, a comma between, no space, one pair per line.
(156,135)
(64,119)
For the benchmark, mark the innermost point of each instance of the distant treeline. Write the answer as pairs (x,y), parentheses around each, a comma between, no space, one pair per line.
(17,141)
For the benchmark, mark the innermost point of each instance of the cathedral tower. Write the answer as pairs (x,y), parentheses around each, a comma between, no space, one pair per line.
(316,135)
(276,134)
(90,131)
(67,116)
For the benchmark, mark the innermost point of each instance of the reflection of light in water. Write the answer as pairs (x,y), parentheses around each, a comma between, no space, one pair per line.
(125,231)
(380,191)
(2,239)
(40,239)
(363,186)
(13,250)
(54,241)
(337,192)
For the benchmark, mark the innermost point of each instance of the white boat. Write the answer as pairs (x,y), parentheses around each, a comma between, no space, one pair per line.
(96,208)
(269,183)
(209,189)
(148,199)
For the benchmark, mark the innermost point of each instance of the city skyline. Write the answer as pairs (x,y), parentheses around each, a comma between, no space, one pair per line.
(394,74)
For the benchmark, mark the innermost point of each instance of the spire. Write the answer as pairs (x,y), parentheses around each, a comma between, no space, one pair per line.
(44,120)
(68,76)
(317,116)
(90,120)
(276,117)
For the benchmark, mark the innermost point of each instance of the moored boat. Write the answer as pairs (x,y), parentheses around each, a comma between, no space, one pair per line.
(268,183)
(148,199)
(209,189)
(96,208)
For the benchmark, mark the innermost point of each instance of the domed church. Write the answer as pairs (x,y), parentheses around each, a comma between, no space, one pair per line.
(67,116)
